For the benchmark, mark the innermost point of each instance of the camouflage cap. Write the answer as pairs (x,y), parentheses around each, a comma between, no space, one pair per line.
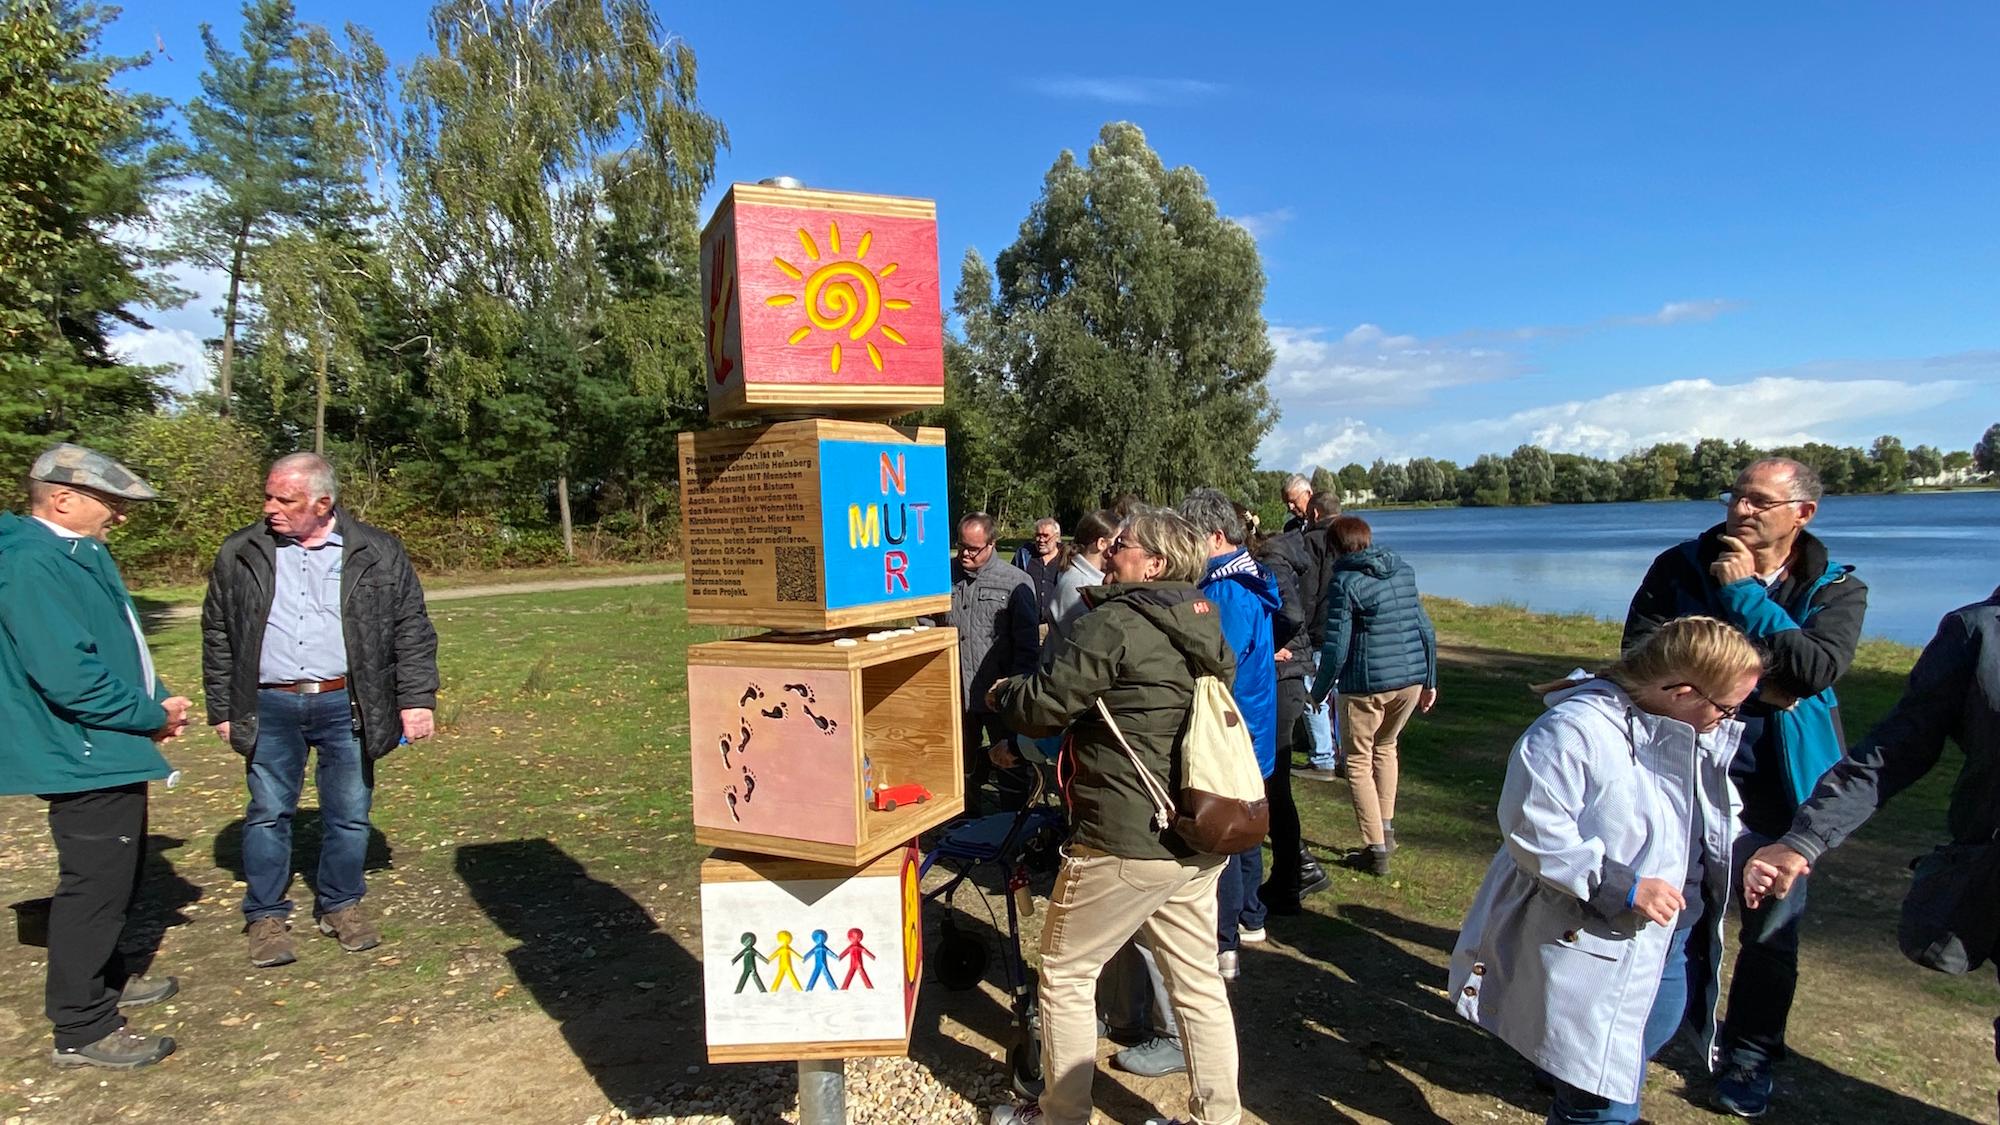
(87,468)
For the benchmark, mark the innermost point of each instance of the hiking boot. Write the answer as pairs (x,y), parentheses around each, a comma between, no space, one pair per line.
(1744,1090)
(123,1049)
(354,932)
(141,991)
(1155,1058)
(1372,860)
(1228,964)
(271,943)
(1024,1113)
(1389,839)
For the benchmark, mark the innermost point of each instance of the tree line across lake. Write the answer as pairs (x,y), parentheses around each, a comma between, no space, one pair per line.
(473,280)
(1666,471)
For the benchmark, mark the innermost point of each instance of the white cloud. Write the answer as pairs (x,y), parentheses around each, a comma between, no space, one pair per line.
(1370,367)
(1126,91)
(1765,411)
(1264,224)
(1684,312)
(177,349)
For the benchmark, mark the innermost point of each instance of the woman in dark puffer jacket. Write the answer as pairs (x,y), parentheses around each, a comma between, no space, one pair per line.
(1380,654)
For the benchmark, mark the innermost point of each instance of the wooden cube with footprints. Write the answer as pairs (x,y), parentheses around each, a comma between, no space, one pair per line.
(827,748)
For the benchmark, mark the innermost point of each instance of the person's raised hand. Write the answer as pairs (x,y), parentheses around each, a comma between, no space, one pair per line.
(1658,900)
(1734,564)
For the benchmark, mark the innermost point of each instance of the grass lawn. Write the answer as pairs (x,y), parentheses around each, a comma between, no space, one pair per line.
(535,876)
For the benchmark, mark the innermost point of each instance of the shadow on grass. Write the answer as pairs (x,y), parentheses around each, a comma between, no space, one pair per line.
(163,892)
(626,994)
(306,836)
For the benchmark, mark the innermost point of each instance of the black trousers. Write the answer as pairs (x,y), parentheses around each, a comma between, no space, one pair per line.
(100,838)
(1286,836)
(1766,976)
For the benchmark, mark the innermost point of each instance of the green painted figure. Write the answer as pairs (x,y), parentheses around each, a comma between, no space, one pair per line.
(749,957)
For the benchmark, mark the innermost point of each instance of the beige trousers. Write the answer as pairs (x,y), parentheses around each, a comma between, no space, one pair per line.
(1369,727)
(1100,901)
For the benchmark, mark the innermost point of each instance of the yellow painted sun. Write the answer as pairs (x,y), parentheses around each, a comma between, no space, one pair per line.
(841,295)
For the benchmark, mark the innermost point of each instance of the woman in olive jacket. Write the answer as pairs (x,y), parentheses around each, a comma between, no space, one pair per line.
(1149,633)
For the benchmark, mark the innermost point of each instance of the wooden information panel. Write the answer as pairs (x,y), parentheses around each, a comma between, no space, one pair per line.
(814,525)
(804,961)
(799,743)
(821,301)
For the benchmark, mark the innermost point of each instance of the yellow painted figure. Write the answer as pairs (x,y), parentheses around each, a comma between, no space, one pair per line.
(783,957)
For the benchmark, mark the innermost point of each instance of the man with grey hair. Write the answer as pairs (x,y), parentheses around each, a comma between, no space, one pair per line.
(314,639)
(83,711)
(993,608)
(1297,493)
(1763,572)
(1043,560)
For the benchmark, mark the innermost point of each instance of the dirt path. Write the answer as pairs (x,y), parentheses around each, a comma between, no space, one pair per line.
(175,614)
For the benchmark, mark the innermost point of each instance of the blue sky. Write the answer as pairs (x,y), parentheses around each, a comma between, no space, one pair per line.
(1481,224)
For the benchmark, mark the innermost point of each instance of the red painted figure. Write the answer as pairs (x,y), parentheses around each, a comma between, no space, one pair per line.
(853,954)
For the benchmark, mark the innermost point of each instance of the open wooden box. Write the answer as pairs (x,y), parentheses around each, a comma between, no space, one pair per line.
(790,734)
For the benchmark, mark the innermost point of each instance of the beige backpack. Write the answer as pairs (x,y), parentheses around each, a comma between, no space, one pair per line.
(1222,808)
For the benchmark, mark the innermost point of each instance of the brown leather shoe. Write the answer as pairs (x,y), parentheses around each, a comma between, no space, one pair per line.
(271,943)
(354,932)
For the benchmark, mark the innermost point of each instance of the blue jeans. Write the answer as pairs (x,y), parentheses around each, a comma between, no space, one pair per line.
(1238,908)
(1325,750)
(1575,1107)
(287,726)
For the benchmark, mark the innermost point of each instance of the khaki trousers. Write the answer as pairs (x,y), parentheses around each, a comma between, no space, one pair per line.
(1099,902)
(1369,727)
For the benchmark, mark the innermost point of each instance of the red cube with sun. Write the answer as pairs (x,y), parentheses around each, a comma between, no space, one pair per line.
(821,301)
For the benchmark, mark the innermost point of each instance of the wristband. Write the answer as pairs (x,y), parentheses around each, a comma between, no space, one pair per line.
(1632,896)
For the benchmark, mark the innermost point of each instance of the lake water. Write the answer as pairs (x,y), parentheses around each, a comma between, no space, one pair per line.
(1921,555)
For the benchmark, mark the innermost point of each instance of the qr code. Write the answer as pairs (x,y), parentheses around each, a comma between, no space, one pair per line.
(798,573)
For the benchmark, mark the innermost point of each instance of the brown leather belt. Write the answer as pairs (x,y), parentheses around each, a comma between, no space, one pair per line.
(310,687)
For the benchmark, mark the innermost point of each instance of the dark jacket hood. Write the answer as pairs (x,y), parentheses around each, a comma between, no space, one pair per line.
(1379,562)
(1182,612)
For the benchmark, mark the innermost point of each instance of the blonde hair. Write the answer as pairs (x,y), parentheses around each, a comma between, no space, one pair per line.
(1165,533)
(1702,651)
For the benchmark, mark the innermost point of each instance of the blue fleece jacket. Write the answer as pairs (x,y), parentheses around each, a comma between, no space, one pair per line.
(1247,596)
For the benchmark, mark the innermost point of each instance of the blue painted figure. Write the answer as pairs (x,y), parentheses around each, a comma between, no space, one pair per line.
(819,954)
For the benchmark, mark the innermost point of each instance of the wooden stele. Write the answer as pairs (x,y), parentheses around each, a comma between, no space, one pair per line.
(821,301)
(814,525)
(788,734)
(809,961)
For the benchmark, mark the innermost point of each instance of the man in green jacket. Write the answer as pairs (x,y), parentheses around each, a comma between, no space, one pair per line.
(83,710)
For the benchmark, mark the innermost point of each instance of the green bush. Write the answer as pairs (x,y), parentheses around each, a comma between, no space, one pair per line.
(211,472)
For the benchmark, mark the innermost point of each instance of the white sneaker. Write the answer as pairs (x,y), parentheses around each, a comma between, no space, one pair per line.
(1251,937)
(1022,1113)
(1225,962)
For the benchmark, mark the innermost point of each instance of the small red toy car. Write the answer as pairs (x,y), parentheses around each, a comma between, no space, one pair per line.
(886,799)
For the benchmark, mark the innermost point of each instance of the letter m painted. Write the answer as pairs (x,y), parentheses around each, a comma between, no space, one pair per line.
(864,526)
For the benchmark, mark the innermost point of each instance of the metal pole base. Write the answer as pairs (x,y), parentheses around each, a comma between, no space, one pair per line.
(822,1092)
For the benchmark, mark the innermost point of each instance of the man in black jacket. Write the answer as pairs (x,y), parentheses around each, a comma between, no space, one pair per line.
(314,638)
(1954,692)
(1762,571)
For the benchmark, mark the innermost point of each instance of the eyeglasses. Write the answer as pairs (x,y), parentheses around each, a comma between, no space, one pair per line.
(1121,543)
(116,505)
(1727,712)
(972,552)
(1758,504)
